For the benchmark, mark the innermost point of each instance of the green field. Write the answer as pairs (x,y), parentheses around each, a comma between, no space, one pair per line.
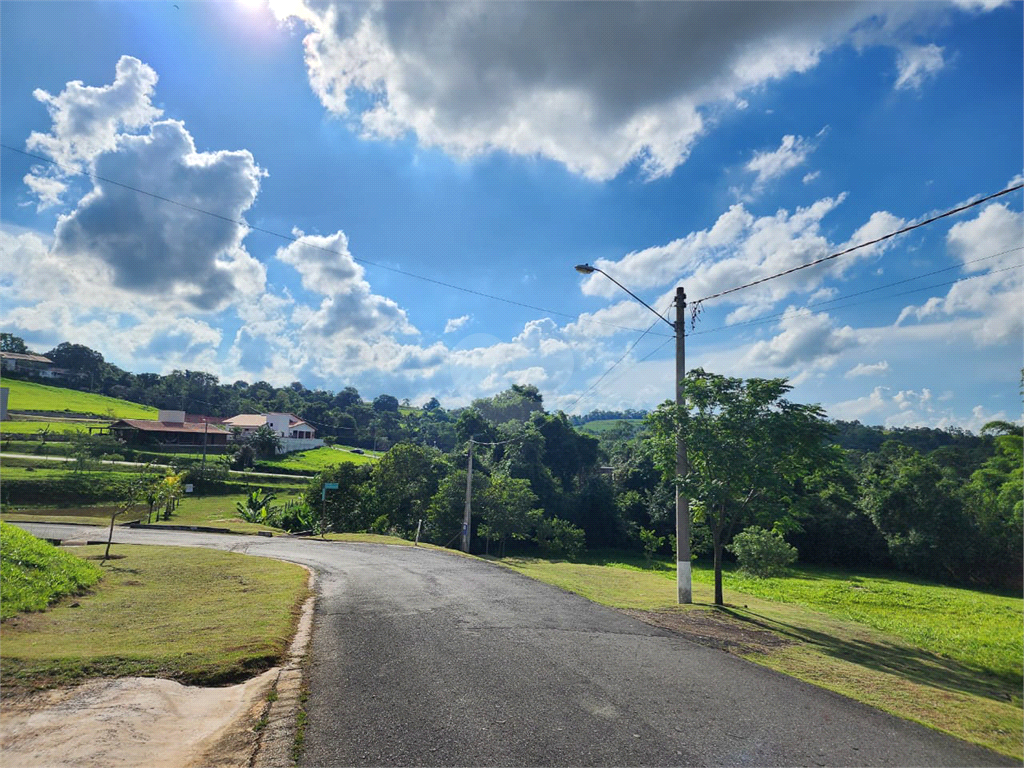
(220,512)
(319,459)
(240,614)
(29,396)
(946,657)
(34,427)
(605,425)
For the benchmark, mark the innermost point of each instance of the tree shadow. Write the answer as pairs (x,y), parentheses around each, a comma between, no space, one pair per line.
(914,664)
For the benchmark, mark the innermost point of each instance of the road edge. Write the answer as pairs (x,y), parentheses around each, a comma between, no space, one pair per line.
(280,719)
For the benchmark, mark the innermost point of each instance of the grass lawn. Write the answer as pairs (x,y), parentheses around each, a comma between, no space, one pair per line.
(29,396)
(193,615)
(949,658)
(25,427)
(219,512)
(320,458)
(98,514)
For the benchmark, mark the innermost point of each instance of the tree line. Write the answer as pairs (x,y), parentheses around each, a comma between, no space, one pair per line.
(940,503)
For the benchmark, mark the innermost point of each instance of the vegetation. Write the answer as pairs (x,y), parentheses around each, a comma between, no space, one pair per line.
(761,553)
(35,573)
(32,396)
(239,617)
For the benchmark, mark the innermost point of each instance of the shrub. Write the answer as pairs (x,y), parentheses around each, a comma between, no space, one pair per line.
(762,553)
(557,537)
(651,541)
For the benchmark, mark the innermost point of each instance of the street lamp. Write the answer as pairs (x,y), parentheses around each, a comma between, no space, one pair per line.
(683,580)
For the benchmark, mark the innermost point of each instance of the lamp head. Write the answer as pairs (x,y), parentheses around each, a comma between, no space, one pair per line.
(585,269)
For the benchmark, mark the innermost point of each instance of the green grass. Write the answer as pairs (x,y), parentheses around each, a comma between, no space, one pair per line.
(55,426)
(34,573)
(604,425)
(319,459)
(29,396)
(220,512)
(193,615)
(946,657)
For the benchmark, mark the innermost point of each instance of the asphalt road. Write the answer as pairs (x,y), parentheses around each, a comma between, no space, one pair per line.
(426,658)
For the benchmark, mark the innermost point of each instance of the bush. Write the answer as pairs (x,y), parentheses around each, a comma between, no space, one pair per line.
(762,553)
(652,542)
(558,538)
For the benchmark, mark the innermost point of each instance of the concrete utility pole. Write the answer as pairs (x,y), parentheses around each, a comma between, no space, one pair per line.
(467,515)
(684,586)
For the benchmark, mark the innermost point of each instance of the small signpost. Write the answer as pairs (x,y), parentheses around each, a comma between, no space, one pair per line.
(323,511)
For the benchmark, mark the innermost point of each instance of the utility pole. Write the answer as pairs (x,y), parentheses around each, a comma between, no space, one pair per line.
(467,515)
(683,579)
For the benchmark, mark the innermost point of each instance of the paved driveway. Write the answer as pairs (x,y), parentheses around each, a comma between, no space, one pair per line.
(427,658)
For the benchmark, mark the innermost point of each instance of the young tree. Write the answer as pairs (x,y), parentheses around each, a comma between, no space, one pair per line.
(265,442)
(506,504)
(746,447)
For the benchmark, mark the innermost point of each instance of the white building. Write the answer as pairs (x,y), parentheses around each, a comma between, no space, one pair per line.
(295,434)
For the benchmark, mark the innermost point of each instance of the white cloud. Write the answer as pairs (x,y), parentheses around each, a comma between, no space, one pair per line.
(866,369)
(455,323)
(986,245)
(792,152)
(807,341)
(917,63)
(595,87)
(809,177)
(349,307)
(857,409)
(47,189)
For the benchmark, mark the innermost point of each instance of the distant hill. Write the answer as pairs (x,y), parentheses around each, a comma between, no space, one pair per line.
(600,427)
(30,396)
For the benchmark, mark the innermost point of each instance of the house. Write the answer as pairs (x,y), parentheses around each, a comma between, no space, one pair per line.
(171,428)
(294,433)
(27,363)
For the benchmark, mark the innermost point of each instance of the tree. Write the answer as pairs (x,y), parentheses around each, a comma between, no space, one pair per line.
(385,404)
(402,485)
(265,442)
(77,358)
(506,505)
(344,508)
(11,343)
(914,504)
(747,447)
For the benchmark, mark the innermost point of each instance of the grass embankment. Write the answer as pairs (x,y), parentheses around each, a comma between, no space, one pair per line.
(318,459)
(601,426)
(52,426)
(29,396)
(193,615)
(220,512)
(946,657)
(34,573)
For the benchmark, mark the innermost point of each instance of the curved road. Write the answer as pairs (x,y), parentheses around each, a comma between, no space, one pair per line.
(424,658)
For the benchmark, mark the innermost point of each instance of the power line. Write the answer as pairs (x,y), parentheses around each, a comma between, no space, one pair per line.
(293,239)
(696,305)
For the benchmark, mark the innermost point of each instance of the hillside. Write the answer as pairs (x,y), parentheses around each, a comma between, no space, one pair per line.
(30,396)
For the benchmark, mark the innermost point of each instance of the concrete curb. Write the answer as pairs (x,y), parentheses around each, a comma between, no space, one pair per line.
(274,749)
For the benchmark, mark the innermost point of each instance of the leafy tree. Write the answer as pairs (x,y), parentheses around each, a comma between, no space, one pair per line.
(514,404)
(77,358)
(747,447)
(556,537)
(448,504)
(914,504)
(11,343)
(345,508)
(507,503)
(432,404)
(403,483)
(385,404)
(762,553)
(265,441)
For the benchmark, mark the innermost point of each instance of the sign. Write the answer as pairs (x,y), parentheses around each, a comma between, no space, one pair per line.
(188,488)
(327,487)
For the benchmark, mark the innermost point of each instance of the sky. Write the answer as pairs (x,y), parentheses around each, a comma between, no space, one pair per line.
(393,196)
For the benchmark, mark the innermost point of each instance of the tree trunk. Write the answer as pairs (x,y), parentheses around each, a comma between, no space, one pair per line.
(110,537)
(716,541)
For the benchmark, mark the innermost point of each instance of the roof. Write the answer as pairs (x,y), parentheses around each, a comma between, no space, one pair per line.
(27,357)
(246,420)
(195,417)
(147,425)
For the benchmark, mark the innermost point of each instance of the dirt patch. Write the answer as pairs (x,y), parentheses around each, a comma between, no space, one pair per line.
(714,629)
(134,721)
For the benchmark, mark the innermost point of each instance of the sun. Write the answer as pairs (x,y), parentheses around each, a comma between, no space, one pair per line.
(251,5)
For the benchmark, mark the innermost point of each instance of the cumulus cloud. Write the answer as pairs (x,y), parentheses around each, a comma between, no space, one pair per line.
(349,306)
(809,177)
(159,248)
(807,340)
(455,323)
(866,369)
(989,246)
(595,87)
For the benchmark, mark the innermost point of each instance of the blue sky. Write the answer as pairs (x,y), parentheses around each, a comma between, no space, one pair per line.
(490,147)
